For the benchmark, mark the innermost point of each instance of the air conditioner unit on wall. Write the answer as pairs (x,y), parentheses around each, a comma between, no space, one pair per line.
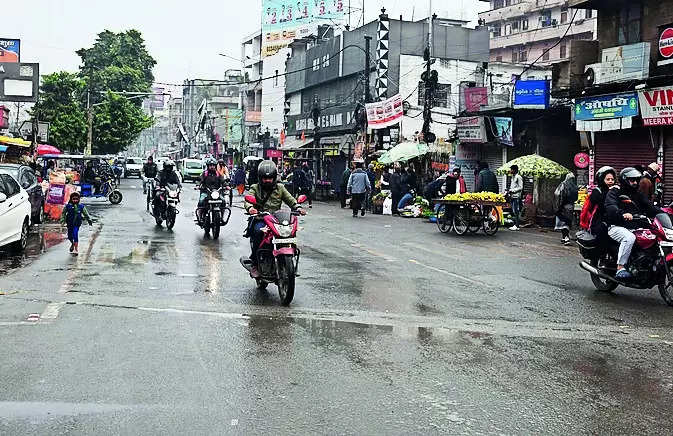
(592,75)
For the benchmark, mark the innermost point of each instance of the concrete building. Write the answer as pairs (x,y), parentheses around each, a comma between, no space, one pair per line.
(522,31)
(253,67)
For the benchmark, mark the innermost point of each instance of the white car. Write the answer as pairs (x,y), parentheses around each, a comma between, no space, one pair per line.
(15,211)
(134,167)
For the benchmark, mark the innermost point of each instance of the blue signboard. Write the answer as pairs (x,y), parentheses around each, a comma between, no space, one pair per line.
(531,94)
(603,107)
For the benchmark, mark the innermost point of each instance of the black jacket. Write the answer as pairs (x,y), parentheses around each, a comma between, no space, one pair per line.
(211,181)
(487,181)
(168,177)
(150,170)
(396,182)
(636,203)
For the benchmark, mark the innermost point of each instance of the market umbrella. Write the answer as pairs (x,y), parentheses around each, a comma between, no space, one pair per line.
(47,149)
(403,152)
(535,166)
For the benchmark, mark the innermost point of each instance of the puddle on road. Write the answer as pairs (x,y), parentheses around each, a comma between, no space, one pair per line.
(39,242)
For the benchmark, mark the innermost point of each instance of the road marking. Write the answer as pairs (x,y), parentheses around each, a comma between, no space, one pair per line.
(234,422)
(448,273)
(33,317)
(51,312)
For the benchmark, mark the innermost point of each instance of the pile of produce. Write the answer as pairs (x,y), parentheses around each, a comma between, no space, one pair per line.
(582,196)
(378,166)
(380,197)
(420,208)
(476,196)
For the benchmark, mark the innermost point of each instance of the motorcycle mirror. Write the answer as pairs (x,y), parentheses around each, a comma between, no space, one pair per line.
(302,199)
(251,199)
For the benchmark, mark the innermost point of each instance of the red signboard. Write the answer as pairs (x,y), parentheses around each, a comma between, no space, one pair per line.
(274,154)
(475,98)
(440,166)
(656,106)
(665,45)
(253,117)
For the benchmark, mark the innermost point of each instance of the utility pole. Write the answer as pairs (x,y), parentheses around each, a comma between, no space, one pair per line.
(89,115)
(368,96)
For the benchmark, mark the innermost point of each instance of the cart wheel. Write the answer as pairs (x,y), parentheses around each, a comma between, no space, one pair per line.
(491,220)
(461,220)
(443,223)
(475,221)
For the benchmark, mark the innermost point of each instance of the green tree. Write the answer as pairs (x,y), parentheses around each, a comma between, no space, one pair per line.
(117,122)
(60,104)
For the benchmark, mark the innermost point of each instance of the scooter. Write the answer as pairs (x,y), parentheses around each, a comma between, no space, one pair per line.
(216,214)
(278,254)
(651,261)
(165,206)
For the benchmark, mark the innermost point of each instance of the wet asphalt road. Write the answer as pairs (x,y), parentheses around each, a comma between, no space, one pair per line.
(395,329)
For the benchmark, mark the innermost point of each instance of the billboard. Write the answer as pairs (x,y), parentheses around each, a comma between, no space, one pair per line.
(19,82)
(531,94)
(10,50)
(503,129)
(283,21)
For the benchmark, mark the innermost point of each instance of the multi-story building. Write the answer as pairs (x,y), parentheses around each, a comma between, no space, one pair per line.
(253,66)
(521,31)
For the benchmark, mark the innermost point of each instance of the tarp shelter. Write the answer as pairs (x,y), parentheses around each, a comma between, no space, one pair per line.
(18,142)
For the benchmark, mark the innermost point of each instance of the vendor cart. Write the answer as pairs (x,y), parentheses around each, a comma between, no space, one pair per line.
(469,216)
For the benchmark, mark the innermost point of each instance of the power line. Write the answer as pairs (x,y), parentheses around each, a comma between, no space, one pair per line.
(554,45)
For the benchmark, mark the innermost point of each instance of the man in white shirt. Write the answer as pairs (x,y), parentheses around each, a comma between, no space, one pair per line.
(515,191)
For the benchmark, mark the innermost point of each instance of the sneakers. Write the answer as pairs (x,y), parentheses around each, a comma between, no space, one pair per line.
(566,241)
(72,247)
(362,212)
(514,228)
(623,274)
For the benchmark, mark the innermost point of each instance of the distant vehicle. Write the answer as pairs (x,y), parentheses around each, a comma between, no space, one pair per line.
(134,166)
(28,181)
(15,213)
(192,169)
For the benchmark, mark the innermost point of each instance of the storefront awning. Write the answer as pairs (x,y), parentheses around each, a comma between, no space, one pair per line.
(18,142)
(293,144)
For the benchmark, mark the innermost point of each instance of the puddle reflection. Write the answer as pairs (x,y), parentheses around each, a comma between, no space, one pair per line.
(39,242)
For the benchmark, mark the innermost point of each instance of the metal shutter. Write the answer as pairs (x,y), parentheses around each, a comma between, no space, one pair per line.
(624,148)
(668,174)
(492,154)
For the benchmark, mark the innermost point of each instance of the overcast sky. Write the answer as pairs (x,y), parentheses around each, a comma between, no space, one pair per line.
(184,37)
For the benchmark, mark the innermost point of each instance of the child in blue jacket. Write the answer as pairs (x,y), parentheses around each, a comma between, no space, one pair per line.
(73,215)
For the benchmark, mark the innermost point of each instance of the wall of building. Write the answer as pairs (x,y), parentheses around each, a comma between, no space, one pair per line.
(273,93)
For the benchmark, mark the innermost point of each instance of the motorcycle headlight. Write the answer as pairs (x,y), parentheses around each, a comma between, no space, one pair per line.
(215,195)
(173,193)
(669,234)
(284,231)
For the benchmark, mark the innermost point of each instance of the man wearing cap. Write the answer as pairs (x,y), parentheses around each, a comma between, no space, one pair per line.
(649,180)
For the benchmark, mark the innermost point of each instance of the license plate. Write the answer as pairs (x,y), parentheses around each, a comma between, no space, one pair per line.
(666,244)
(285,241)
(214,201)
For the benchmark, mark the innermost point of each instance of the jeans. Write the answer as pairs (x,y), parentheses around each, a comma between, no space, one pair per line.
(256,238)
(404,201)
(73,234)
(516,210)
(626,240)
(343,196)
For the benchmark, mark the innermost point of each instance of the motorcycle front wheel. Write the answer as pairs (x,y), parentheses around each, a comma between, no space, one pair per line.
(286,280)
(170,218)
(601,284)
(216,221)
(666,288)
(115,197)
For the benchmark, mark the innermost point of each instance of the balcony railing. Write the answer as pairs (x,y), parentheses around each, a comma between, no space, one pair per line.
(542,34)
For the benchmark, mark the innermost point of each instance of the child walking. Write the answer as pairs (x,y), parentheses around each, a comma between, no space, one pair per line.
(73,214)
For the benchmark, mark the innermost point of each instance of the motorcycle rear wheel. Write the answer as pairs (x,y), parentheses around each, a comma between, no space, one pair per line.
(287,279)
(601,284)
(170,218)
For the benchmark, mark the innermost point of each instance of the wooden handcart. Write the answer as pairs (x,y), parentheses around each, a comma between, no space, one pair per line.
(469,216)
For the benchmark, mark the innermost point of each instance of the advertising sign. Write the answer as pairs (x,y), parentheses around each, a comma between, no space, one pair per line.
(19,82)
(286,20)
(503,129)
(332,119)
(606,106)
(10,50)
(385,113)
(656,106)
(665,56)
(471,129)
(531,94)
(475,98)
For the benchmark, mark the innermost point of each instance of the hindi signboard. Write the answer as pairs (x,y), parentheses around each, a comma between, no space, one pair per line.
(471,129)
(603,107)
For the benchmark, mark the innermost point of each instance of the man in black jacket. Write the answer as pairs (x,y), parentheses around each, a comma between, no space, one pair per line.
(621,204)
(150,171)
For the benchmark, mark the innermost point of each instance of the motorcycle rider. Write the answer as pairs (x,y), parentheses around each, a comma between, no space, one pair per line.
(211,180)
(270,196)
(150,171)
(619,213)
(605,179)
(167,176)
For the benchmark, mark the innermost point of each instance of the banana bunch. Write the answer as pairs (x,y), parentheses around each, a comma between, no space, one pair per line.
(378,166)
(476,196)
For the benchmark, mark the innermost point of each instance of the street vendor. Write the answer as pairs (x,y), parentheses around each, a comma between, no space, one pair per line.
(455,183)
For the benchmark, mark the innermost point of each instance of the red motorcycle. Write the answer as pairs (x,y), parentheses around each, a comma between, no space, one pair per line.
(651,261)
(278,254)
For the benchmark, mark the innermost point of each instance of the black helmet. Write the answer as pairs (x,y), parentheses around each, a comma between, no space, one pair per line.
(169,165)
(628,174)
(267,170)
(602,172)
(211,162)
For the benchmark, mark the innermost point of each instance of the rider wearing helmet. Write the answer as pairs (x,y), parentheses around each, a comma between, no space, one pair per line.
(621,204)
(270,197)
(211,180)
(606,177)
(168,175)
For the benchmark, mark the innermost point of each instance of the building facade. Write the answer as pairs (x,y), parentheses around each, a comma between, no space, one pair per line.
(522,31)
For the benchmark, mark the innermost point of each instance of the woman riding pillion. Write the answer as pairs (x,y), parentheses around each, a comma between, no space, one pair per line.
(269,196)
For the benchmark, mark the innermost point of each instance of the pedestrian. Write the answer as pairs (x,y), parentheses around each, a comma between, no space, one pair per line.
(486,180)
(239,180)
(298,180)
(73,215)
(514,194)
(649,180)
(308,187)
(455,182)
(358,187)
(371,175)
(345,176)
(566,196)
(396,187)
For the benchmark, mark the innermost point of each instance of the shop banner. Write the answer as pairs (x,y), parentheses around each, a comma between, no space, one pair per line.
(56,194)
(531,94)
(475,98)
(665,55)
(283,21)
(606,106)
(503,129)
(656,106)
(385,113)
(471,129)
(10,50)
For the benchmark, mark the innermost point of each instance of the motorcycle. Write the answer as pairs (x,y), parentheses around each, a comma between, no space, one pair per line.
(651,261)
(278,254)
(165,206)
(216,213)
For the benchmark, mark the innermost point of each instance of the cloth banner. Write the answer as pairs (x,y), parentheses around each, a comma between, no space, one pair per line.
(385,113)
